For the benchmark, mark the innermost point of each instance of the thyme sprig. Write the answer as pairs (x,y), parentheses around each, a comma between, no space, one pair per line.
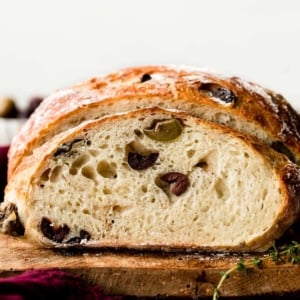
(286,254)
(289,253)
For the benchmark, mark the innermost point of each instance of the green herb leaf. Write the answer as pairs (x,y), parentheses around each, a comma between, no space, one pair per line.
(257,262)
(241,265)
(288,253)
(274,253)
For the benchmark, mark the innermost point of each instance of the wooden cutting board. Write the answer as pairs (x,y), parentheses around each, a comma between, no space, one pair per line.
(152,274)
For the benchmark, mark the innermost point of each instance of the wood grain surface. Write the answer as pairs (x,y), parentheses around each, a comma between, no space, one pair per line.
(152,274)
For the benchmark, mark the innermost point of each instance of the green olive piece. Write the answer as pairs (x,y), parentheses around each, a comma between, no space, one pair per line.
(165,130)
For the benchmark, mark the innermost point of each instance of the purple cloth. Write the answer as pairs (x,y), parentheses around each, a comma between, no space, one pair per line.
(49,284)
(3,169)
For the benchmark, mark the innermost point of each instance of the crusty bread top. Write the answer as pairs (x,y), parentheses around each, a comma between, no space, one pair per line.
(256,106)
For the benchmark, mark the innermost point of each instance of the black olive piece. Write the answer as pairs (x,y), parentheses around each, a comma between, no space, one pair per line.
(146,77)
(140,162)
(9,219)
(178,182)
(219,92)
(67,147)
(74,240)
(52,232)
(281,148)
(83,235)
(64,148)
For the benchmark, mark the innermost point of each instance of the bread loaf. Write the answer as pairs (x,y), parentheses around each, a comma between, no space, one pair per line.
(237,103)
(156,157)
(153,179)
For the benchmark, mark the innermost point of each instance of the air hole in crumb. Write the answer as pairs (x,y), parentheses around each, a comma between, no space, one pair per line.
(264,194)
(190,153)
(73,171)
(80,161)
(196,218)
(94,152)
(221,189)
(55,174)
(117,209)
(202,164)
(88,172)
(45,175)
(119,149)
(86,211)
(107,191)
(106,169)
(144,188)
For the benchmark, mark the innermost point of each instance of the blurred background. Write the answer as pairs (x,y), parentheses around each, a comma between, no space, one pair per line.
(48,45)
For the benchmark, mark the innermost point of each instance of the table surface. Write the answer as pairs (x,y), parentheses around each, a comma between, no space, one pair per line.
(140,274)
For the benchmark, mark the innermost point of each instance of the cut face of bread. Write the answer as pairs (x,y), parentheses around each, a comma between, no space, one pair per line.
(155,179)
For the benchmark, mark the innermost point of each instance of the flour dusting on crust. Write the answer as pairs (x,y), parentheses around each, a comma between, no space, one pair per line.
(256,89)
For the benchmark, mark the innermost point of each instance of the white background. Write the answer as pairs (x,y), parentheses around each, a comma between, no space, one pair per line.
(48,45)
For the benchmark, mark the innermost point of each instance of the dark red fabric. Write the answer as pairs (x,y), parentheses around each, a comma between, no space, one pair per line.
(3,169)
(49,284)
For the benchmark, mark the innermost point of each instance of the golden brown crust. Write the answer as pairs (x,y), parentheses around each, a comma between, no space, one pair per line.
(171,86)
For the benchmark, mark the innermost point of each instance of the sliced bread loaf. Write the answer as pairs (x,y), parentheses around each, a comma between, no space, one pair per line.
(153,179)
